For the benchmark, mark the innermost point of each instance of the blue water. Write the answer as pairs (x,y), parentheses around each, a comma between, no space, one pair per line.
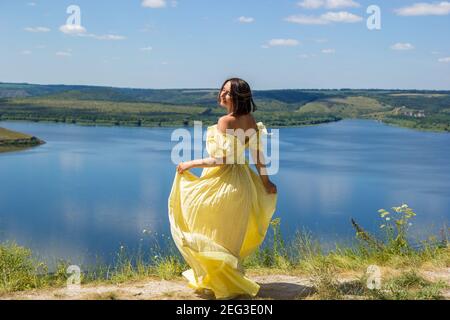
(89,190)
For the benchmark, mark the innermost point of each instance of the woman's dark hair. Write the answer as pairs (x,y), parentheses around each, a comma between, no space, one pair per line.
(241,95)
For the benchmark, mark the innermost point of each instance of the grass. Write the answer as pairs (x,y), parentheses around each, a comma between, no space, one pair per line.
(101,106)
(436,123)
(12,140)
(399,262)
(6,135)
(411,286)
(348,107)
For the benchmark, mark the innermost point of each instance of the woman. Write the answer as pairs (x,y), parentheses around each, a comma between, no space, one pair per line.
(222,216)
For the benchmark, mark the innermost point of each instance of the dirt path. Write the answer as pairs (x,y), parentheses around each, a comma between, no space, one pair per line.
(272,287)
(276,286)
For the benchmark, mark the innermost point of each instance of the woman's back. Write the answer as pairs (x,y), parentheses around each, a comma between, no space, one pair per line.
(244,122)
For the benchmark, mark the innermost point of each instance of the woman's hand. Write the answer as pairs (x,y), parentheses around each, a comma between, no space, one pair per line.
(270,187)
(183,166)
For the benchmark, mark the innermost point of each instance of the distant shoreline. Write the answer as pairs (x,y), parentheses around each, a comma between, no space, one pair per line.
(207,122)
(162,125)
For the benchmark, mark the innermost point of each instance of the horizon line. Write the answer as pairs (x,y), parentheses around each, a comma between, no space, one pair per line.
(204,88)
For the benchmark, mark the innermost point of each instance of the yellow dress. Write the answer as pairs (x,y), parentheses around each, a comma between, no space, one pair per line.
(221,217)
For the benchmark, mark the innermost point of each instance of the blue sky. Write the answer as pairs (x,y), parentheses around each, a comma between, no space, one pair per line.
(273,44)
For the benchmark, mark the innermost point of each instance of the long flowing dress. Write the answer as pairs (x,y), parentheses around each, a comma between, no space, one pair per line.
(221,217)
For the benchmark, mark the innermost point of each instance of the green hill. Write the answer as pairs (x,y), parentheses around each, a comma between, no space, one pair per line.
(173,107)
(348,107)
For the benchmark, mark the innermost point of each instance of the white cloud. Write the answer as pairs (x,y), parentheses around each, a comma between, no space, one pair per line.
(31,4)
(444,60)
(326,18)
(311,4)
(37,29)
(302,19)
(80,31)
(328,51)
(72,29)
(329,4)
(64,54)
(111,37)
(342,16)
(77,30)
(282,43)
(425,9)
(26,52)
(147,49)
(155,4)
(246,19)
(333,4)
(402,46)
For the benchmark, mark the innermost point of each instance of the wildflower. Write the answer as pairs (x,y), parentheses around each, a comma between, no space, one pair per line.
(144,231)
(387,219)
(275,222)
(383,214)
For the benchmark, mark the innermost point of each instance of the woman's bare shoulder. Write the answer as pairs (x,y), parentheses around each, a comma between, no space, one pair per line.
(225,122)
(244,122)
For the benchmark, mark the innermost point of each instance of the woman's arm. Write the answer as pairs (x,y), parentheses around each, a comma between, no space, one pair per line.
(260,163)
(201,163)
(222,125)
